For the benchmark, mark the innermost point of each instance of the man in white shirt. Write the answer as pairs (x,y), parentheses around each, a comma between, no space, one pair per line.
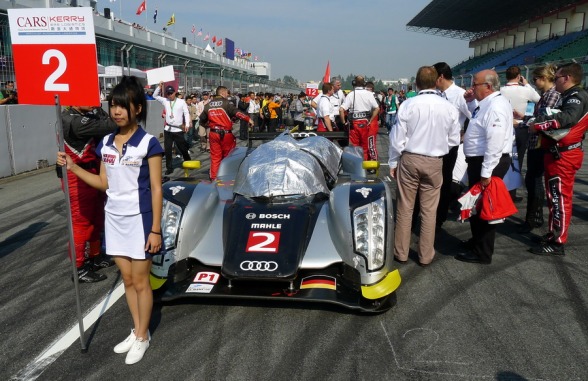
(363,110)
(336,100)
(454,94)
(325,113)
(487,145)
(203,131)
(426,126)
(253,110)
(177,121)
(518,91)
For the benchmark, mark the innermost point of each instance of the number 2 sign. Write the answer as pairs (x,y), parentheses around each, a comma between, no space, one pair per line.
(54,52)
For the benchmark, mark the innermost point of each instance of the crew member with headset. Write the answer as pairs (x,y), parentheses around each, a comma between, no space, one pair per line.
(217,115)
(363,110)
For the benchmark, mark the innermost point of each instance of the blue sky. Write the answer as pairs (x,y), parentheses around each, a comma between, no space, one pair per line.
(299,37)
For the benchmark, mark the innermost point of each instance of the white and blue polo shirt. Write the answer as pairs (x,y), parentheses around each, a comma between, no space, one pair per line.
(129,189)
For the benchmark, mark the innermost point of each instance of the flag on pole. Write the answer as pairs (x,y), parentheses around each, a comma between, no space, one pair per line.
(172,20)
(142,7)
(193,28)
(219,42)
(200,32)
(206,37)
(327,77)
(255,58)
(213,39)
(155,17)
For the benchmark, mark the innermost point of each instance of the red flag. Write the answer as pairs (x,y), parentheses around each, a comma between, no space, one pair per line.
(327,77)
(213,39)
(142,7)
(193,28)
(219,42)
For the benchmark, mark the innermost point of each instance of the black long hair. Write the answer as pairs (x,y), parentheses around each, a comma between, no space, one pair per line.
(129,91)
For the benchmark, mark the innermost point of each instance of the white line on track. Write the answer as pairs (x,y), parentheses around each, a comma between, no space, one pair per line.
(49,355)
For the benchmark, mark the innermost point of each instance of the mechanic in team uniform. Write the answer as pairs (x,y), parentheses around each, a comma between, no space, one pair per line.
(562,135)
(217,115)
(83,126)
(374,125)
(363,111)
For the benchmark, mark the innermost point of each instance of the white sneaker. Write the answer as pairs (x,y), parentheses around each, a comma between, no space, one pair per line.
(126,344)
(137,351)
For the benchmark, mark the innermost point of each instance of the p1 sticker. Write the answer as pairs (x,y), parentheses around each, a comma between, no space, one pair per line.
(263,242)
(206,277)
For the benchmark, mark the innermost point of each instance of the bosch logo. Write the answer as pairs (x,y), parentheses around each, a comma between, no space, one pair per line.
(250,216)
(277,216)
(259,266)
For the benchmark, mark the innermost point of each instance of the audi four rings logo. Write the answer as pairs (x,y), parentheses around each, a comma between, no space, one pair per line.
(259,266)
(250,216)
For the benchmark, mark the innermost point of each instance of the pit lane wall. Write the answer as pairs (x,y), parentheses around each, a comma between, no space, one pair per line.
(28,140)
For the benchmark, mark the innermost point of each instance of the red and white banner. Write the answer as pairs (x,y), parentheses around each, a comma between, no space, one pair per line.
(55,53)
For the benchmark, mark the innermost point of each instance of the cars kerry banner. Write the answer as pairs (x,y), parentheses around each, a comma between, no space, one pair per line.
(54,53)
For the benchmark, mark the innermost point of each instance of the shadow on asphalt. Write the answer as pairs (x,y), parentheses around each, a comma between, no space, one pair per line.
(19,239)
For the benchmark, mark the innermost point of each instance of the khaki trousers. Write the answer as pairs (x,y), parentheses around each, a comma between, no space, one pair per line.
(422,174)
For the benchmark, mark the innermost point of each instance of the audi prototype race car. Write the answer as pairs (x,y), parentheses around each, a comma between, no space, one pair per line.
(293,219)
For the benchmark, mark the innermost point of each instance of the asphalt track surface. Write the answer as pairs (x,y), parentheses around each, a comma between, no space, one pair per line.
(524,317)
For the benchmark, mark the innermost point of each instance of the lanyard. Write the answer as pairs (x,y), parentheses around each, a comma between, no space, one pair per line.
(172,108)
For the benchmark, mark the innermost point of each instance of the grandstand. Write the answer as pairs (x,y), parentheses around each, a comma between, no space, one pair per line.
(504,33)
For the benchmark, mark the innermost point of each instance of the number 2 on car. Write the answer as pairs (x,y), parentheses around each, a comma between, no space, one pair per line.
(263,242)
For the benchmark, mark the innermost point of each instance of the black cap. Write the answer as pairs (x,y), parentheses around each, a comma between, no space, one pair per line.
(170,90)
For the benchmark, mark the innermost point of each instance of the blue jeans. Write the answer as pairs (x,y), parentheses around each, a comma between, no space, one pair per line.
(390,120)
(189,136)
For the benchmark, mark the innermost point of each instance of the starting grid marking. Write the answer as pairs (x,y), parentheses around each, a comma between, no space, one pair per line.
(52,353)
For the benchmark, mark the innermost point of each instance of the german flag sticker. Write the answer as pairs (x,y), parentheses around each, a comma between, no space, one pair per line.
(318,281)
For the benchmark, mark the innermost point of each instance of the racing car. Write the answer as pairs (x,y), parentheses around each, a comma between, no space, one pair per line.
(296,218)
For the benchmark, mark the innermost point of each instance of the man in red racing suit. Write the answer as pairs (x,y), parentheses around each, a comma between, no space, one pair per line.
(562,132)
(217,115)
(363,111)
(82,127)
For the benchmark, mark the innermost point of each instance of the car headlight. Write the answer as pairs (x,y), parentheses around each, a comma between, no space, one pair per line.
(369,227)
(170,223)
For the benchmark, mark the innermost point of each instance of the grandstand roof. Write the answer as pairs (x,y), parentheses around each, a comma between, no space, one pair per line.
(472,19)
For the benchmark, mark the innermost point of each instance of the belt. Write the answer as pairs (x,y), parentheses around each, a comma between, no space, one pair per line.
(456,182)
(220,130)
(171,125)
(568,148)
(359,115)
(418,154)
